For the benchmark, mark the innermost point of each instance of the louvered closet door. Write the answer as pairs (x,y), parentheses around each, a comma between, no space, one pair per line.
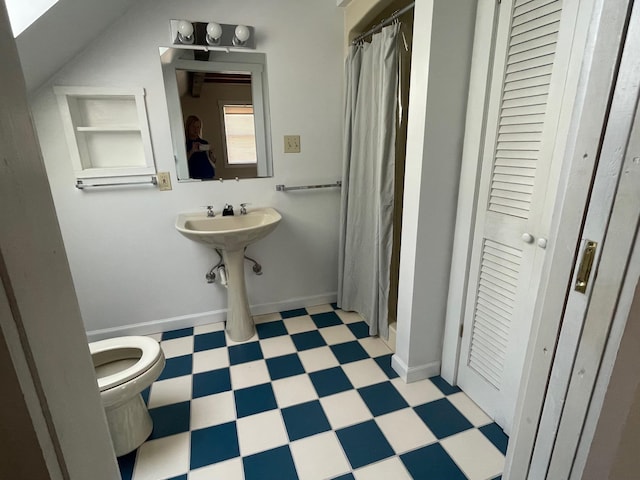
(522,118)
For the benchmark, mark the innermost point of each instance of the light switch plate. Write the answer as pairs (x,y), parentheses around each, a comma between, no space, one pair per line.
(164,180)
(292,144)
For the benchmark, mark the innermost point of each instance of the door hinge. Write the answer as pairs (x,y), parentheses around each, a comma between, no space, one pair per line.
(461,329)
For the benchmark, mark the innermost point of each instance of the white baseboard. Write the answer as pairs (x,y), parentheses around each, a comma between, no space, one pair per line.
(413,374)
(204,318)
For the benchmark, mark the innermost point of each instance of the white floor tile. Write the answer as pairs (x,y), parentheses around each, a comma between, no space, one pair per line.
(469,409)
(319,457)
(210,360)
(163,458)
(364,373)
(294,390)
(405,430)
(249,374)
(208,328)
(349,317)
(156,336)
(177,347)
(231,470)
(324,308)
(299,324)
(212,410)
(476,456)
(337,334)
(374,346)
(267,317)
(417,393)
(264,431)
(392,468)
(173,390)
(344,409)
(317,359)
(277,346)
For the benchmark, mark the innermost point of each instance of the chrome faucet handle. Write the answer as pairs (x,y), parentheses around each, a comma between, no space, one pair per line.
(243,208)
(210,212)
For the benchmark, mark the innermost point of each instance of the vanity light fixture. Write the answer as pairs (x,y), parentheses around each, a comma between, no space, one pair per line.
(185,32)
(241,35)
(214,33)
(203,35)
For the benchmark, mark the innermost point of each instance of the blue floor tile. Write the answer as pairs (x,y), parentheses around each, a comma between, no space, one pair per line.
(145,395)
(284,366)
(180,477)
(126,463)
(444,386)
(359,329)
(271,329)
(308,340)
(330,381)
(305,420)
(347,476)
(495,434)
(254,400)
(349,352)
(334,306)
(384,362)
(246,352)
(214,444)
(177,367)
(442,418)
(326,319)
(298,312)
(364,443)
(183,332)
(276,464)
(382,398)
(213,381)
(431,462)
(170,419)
(210,340)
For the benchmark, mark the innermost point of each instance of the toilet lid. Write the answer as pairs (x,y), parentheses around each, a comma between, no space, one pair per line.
(150,353)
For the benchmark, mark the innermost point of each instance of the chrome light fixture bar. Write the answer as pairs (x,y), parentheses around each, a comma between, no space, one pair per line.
(211,34)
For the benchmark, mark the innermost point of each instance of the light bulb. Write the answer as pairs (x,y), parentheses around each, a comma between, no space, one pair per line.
(214,30)
(185,28)
(242,33)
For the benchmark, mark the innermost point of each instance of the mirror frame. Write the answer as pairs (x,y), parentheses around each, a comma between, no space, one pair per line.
(234,62)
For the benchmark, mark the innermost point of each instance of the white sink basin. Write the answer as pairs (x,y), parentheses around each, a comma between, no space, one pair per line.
(230,232)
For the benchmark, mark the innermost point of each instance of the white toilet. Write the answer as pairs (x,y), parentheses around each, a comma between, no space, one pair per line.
(125,366)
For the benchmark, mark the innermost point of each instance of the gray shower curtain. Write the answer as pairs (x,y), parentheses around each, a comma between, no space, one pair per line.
(368,179)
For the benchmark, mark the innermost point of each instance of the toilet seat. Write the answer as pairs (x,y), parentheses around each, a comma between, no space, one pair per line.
(120,348)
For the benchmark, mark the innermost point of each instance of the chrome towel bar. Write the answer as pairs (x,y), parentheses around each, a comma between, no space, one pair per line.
(284,188)
(81,185)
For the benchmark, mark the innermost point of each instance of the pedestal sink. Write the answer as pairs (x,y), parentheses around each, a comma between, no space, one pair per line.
(231,234)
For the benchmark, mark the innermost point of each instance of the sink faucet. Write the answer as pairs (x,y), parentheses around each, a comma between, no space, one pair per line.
(210,212)
(243,208)
(228,210)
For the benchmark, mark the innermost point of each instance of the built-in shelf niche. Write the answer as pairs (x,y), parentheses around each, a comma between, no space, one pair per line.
(107,133)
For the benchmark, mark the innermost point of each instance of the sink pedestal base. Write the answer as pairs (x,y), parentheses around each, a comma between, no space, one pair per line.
(240,326)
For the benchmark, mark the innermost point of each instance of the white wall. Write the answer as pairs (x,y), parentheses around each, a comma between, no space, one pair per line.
(440,66)
(128,262)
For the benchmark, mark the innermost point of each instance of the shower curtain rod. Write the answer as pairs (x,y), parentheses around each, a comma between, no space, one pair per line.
(383,24)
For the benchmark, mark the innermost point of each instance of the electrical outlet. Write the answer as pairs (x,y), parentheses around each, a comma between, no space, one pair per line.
(292,144)
(164,180)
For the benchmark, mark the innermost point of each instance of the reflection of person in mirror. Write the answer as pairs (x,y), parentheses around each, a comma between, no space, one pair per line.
(201,159)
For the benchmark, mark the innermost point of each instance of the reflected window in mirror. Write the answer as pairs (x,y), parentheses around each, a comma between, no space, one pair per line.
(227,93)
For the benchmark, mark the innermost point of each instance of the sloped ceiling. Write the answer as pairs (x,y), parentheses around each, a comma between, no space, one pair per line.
(63,32)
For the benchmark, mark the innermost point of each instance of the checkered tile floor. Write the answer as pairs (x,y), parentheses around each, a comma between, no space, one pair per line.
(311,396)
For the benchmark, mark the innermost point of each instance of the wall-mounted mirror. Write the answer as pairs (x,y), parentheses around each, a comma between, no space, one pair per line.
(219,113)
